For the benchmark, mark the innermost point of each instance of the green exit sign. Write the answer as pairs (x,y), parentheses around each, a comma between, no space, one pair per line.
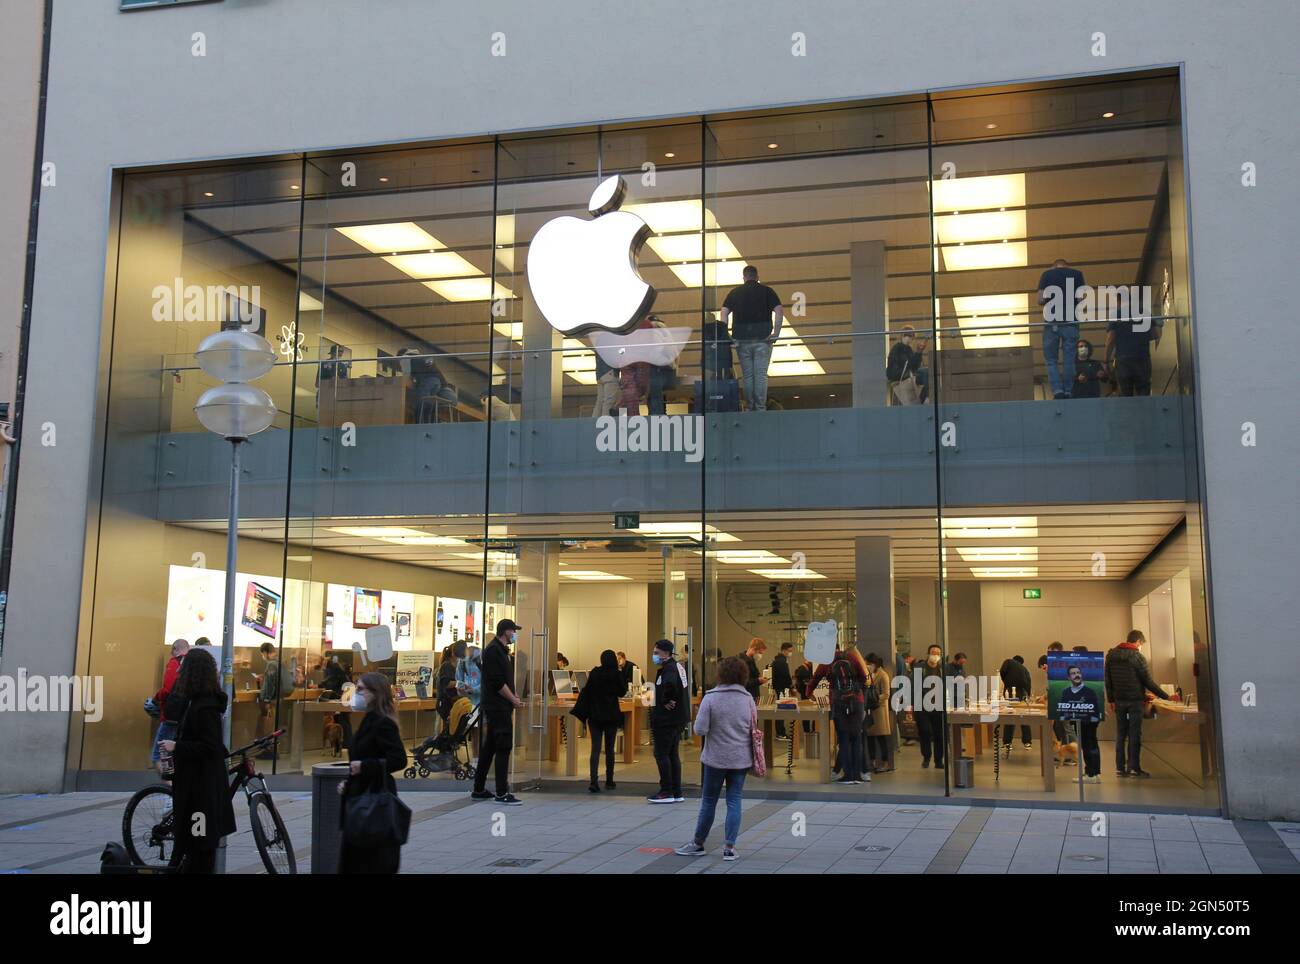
(1033,594)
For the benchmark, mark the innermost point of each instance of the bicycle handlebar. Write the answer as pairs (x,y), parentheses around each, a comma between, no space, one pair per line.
(262,741)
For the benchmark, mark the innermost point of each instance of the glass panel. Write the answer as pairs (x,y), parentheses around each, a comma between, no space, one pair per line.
(820,503)
(1066,503)
(199,250)
(594,451)
(385,510)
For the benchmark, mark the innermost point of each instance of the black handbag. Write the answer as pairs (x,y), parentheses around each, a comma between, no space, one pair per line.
(377,818)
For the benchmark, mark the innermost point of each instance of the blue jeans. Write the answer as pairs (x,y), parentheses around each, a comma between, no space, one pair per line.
(166,731)
(711,787)
(1065,338)
(754,357)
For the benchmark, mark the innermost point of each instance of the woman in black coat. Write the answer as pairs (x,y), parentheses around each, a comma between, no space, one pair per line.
(200,786)
(375,752)
(597,706)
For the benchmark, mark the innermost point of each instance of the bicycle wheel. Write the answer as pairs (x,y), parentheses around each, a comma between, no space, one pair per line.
(147,831)
(272,839)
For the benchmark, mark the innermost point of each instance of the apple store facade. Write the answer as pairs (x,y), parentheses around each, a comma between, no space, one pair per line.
(470,424)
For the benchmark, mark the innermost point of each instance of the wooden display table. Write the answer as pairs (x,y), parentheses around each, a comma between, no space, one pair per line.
(1006,716)
(560,710)
(1193,715)
(808,710)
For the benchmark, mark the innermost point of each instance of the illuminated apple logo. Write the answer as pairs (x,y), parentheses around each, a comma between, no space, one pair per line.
(583,274)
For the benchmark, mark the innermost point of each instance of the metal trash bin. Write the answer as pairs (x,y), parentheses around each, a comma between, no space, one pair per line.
(812,745)
(963,772)
(326,807)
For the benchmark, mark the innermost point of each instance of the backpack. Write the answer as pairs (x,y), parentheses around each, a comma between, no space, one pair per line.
(844,686)
(871,697)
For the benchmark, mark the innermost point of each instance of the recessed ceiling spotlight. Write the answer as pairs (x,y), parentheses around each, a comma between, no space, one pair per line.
(669,154)
(772,147)
(207,194)
(1109,113)
(383,180)
(990,127)
(293,187)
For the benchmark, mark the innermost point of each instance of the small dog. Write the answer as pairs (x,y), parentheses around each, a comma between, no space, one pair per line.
(333,735)
(1066,753)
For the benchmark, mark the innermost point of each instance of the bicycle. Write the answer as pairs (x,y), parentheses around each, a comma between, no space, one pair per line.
(147,825)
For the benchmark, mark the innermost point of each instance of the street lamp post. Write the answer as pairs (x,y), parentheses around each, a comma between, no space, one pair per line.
(236,411)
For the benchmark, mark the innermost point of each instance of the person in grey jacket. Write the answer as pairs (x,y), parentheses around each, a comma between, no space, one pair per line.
(725,720)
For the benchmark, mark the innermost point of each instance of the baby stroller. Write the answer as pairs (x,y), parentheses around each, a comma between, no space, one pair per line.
(448,751)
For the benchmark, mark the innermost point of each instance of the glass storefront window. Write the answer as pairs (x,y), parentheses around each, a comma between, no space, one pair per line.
(885,467)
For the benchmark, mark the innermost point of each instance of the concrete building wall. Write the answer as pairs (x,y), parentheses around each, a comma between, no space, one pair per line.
(295,74)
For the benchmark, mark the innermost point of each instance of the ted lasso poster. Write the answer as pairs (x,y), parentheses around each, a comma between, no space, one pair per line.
(1076,687)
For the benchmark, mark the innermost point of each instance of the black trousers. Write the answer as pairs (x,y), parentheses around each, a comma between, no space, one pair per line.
(607,732)
(1133,375)
(929,727)
(1090,748)
(666,739)
(848,730)
(878,747)
(498,741)
(1128,735)
(1009,732)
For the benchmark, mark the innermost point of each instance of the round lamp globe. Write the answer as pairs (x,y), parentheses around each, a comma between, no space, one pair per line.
(235,410)
(235,356)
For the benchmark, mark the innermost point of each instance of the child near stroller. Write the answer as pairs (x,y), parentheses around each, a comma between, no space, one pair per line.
(449,750)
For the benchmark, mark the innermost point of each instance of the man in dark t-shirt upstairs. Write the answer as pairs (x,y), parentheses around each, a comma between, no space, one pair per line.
(1128,342)
(1059,290)
(755,313)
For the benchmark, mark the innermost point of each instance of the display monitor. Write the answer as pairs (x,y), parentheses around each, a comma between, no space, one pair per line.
(563,682)
(261,609)
(579,679)
(366,608)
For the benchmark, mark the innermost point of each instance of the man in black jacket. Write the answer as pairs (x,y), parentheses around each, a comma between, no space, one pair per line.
(669,714)
(1017,684)
(782,680)
(498,704)
(1127,682)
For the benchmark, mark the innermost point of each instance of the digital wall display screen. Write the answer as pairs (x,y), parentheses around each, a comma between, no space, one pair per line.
(261,609)
(366,608)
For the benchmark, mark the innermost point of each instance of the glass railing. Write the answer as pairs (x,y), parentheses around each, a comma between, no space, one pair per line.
(970,362)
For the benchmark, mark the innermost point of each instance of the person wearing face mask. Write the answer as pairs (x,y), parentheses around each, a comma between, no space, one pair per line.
(756,648)
(929,722)
(903,369)
(668,715)
(498,704)
(375,752)
(1088,372)
(1128,680)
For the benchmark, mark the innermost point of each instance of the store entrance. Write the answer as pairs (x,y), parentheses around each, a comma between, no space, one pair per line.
(574,599)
